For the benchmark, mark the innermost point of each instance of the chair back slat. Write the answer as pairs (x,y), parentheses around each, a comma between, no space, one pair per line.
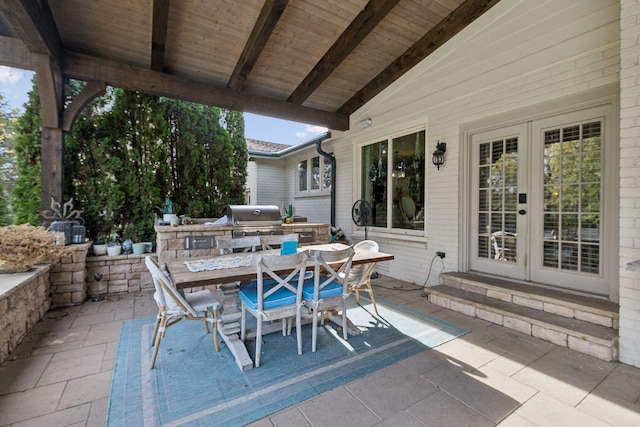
(247,244)
(325,261)
(267,265)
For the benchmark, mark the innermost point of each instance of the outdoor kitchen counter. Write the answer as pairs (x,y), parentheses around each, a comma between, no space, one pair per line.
(171,240)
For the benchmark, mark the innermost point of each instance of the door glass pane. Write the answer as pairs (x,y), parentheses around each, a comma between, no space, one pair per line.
(497,200)
(572,198)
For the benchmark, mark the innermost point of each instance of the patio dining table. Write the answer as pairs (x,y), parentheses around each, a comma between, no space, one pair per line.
(226,271)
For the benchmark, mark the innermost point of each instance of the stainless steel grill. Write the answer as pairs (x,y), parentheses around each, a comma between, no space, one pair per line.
(254,220)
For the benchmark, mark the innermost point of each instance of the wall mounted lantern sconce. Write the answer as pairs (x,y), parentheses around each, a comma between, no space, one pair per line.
(438,155)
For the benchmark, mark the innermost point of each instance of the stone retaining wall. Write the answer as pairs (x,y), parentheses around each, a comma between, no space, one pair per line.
(68,278)
(120,274)
(24,299)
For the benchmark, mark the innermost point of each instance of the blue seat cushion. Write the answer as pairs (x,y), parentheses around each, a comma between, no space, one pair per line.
(330,290)
(248,294)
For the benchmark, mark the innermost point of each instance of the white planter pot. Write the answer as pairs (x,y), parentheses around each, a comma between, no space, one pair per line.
(99,249)
(114,250)
(167,218)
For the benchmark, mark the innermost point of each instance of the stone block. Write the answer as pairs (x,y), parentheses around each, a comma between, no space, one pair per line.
(527,302)
(594,318)
(61,299)
(440,301)
(79,276)
(463,308)
(489,316)
(77,266)
(115,277)
(600,351)
(502,296)
(62,277)
(558,309)
(517,325)
(120,267)
(555,337)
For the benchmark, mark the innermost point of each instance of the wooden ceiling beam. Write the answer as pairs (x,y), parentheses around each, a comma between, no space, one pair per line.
(84,67)
(13,53)
(264,26)
(159,33)
(366,21)
(34,25)
(457,20)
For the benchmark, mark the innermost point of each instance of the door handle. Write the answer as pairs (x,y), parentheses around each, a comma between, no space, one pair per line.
(522,212)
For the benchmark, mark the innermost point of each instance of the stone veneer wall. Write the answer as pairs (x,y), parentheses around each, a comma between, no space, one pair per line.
(24,299)
(120,274)
(68,284)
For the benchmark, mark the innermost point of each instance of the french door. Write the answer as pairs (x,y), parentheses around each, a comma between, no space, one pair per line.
(538,202)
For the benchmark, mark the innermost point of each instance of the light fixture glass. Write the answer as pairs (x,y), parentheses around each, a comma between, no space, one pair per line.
(438,155)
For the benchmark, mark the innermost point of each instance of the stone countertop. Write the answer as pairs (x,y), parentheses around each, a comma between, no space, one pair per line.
(204,227)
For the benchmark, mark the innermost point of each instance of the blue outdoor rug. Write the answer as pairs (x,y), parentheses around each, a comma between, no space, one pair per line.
(193,385)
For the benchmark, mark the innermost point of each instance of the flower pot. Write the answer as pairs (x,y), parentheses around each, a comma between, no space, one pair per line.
(114,250)
(148,247)
(167,218)
(99,249)
(139,248)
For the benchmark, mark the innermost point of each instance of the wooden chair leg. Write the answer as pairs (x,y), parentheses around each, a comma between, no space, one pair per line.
(155,327)
(159,336)
(216,343)
(373,299)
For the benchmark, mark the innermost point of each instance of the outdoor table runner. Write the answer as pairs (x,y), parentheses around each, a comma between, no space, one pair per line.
(218,263)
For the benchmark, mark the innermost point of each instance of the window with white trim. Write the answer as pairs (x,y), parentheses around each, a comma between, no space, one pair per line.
(397,198)
(314,175)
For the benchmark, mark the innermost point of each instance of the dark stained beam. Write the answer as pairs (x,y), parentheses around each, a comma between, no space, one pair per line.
(360,27)
(159,33)
(34,25)
(89,92)
(464,15)
(266,22)
(13,53)
(84,67)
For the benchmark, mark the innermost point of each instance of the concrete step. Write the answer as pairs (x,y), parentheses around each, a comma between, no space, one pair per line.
(580,335)
(580,307)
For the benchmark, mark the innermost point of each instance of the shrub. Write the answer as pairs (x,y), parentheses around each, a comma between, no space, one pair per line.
(24,246)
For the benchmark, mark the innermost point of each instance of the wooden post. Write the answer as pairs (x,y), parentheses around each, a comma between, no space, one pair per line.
(51,91)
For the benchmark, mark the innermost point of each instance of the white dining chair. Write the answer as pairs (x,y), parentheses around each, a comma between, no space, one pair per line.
(273,297)
(360,274)
(328,289)
(173,306)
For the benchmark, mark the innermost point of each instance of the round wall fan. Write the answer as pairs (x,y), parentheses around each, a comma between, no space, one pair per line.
(362,215)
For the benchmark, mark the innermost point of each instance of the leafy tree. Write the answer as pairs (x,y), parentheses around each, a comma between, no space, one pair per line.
(26,192)
(7,162)
(128,151)
(134,128)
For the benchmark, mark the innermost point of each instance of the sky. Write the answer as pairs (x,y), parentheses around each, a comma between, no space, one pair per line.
(16,83)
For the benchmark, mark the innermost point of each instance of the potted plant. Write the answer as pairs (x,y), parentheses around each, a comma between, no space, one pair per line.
(114,247)
(168,217)
(100,246)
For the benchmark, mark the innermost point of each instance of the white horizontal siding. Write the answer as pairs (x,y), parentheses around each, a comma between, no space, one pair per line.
(630,182)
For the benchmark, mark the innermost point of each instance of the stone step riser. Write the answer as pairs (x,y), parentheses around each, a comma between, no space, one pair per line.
(609,320)
(603,349)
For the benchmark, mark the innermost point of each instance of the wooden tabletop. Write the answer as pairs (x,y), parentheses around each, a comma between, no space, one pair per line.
(183,278)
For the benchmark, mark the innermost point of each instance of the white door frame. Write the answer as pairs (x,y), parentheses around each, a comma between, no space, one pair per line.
(605,97)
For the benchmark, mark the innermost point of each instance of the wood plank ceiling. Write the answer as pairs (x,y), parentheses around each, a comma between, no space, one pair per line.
(312,61)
